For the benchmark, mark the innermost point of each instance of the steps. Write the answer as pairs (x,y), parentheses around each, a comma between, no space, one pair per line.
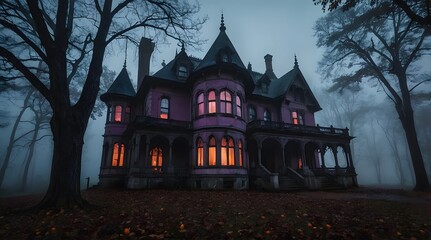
(288,184)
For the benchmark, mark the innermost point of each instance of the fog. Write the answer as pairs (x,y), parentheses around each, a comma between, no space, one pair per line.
(256,28)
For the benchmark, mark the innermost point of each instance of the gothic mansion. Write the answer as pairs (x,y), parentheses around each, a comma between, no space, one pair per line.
(213,123)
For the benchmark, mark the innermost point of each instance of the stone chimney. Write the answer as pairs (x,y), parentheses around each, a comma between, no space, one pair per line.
(146,48)
(268,63)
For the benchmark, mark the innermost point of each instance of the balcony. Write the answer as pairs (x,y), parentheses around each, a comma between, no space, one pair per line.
(267,126)
(145,121)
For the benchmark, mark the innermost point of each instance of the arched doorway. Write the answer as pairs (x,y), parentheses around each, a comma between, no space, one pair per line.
(158,154)
(272,155)
(292,155)
(180,155)
(312,155)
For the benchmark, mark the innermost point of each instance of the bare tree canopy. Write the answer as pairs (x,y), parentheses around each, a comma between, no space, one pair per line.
(64,35)
(421,15)
(382,46)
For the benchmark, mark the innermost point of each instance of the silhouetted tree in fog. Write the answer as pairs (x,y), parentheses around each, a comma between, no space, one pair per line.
(63,35)
(380,45)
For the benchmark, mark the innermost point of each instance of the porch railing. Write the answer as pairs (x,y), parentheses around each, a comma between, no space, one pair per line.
(151,121)
(262,125)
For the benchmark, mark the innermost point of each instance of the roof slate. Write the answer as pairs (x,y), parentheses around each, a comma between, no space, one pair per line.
(122,85)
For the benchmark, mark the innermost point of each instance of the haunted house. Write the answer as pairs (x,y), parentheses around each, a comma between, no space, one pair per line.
(214,123)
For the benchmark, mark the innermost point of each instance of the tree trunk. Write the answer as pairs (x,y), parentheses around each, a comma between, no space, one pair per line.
(31,152)
(68,128)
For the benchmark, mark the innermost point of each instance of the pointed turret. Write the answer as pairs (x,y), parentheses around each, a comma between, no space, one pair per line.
(122,87)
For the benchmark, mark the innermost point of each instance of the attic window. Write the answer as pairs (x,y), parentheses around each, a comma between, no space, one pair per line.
(224,57)
(182,71)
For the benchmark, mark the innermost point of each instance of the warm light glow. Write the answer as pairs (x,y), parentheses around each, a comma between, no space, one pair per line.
(211,102)
(212,152)
(240,152)
(223,152)
(300,163)
(231,149)
(164,108)
(201,109)
(118,155)
(115,155)
(238,106)
(118,110)
(121,156)
(227,152)
(200,152)
(297,118)
(225,102)
(156,157)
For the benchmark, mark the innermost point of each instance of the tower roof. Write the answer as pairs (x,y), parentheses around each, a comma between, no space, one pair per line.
(121,85)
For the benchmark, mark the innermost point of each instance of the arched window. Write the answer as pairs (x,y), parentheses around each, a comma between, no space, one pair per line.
(200,152)
(211,102)
(297,118)
(225,102)
(200,102)
(118,111)
(164,108)
(267,115)
(212,152)
(240,156)
(227,151)
(238,106)
(182,71)
(251,113)
(156,155)
(118,155)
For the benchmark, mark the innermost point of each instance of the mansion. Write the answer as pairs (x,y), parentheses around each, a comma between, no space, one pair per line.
(214,123)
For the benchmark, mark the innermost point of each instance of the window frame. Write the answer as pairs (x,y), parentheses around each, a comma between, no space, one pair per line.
(199,152)
(182,71)
(117,159)
(267,115)
(251,117)
(164,109)
(212,102)
(238,103)
(212,148)
(199,104)
(118,113)
(225,103)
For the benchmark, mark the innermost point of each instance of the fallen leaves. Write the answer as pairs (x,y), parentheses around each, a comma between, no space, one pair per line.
(163,214)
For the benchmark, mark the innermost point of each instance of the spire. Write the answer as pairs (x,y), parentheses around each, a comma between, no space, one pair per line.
(182,46)
(296,62)
(125,56)
(222,27)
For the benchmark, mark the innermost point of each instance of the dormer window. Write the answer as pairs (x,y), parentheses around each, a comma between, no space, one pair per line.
(224,57)
(182,71)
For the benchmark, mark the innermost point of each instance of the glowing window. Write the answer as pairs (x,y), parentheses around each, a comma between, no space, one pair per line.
(225,102)
(240,153)
(200,152)
(212,152)
(200,101)
(118,111)
(238,106)
(267,115)
(297,118)
(164,108)
(227,151)
(156,155)
(211,102)
(251,113)
(118,155)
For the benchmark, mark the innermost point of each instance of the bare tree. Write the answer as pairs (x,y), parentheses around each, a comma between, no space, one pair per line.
(63,34)
(378,45)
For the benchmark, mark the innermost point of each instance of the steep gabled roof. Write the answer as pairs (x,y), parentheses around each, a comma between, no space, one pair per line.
(169,71)
(221,44)
(121,85)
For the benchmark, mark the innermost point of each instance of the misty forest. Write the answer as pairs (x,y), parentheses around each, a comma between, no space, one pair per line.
(367,63)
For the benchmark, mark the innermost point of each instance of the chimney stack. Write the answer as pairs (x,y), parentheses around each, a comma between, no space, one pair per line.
(146,48)
(268,62)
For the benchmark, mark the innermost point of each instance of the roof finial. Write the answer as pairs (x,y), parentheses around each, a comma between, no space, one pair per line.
(182,46)
(125,56)
(296,62)
(222,27)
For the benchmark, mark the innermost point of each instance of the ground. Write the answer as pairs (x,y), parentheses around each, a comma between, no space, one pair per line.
(175,214)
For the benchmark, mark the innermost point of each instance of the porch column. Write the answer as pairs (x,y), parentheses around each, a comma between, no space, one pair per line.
(334,151)
(304,161)
(347,157)
(170,164)
(350,159)
(259,153)
(322,156)
(147,159)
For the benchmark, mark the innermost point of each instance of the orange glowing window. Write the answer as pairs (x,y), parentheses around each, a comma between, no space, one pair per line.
(227,151)
(164,108)
(238,106)
(200,101)
(156,155)
(118,155)
(225,102)
(212,152)
(240,153)
(297,118)
(211,102)
(299,163)
(118,111)
(200,152)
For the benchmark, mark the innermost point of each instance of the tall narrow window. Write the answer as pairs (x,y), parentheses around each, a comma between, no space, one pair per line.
(200,152)
(108,114)
(211,102)
(156,155)
(118,155)
(297,118)
(118,111)
(238,106)
(200,102)
(164,108)
(212,152)
(267,115)
(240,153)
(182,71)
(227,151)
(251,113)
(225,102)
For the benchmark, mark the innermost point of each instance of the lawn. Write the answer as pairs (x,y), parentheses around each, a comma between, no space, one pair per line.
(175,214)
